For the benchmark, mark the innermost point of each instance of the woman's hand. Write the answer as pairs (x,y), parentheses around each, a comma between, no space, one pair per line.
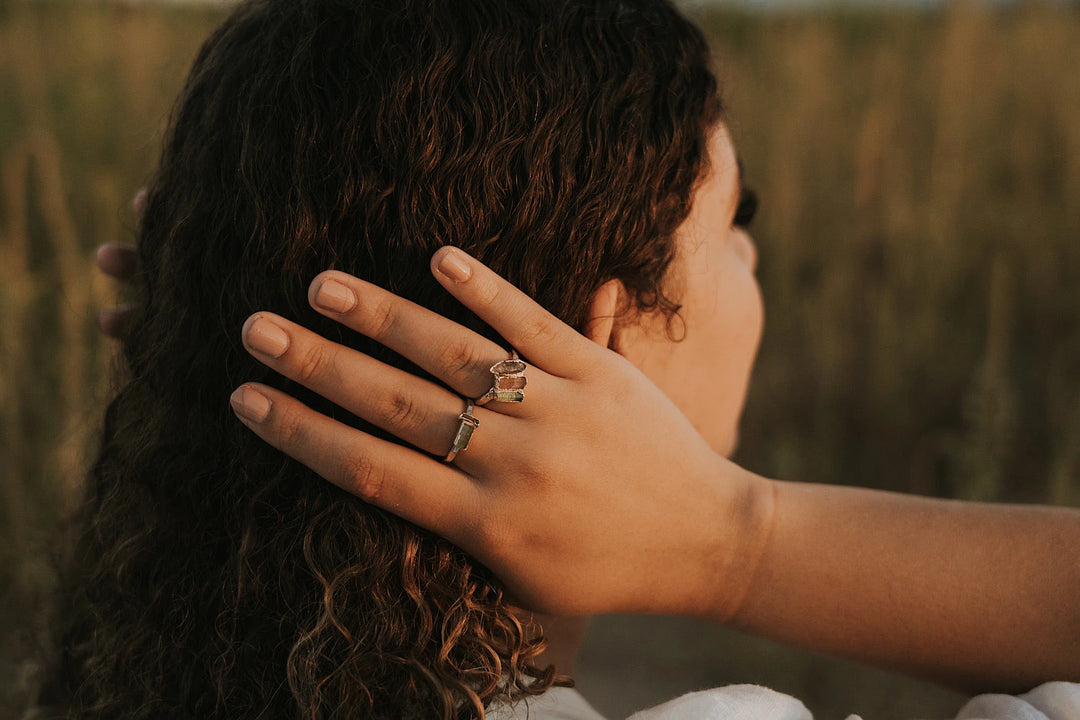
(593,495)
(596,495)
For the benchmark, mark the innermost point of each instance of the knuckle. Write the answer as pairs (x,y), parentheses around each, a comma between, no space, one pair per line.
(537,332)
(363,478)
(312,363)
(461,359)
(487,292)
(382,318)
(399,411)
(291,431)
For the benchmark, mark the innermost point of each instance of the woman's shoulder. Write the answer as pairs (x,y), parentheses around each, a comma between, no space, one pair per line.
(732,702)
(1050,701)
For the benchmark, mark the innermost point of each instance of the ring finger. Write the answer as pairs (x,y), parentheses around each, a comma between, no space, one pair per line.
(390,476)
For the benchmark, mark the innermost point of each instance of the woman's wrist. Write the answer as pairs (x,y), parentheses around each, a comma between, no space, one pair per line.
(745,524)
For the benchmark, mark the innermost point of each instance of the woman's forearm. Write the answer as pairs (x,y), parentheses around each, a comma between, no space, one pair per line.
(976,596)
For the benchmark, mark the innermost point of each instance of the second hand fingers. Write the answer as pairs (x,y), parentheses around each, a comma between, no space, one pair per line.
(393,477)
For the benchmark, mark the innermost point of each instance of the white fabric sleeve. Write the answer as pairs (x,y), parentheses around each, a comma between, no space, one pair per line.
(734,702)
(1049,701)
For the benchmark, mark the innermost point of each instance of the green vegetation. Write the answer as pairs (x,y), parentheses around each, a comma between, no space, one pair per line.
(919,241)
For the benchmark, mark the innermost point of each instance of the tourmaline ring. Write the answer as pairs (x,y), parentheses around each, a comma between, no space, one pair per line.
(464,432)
(509,384)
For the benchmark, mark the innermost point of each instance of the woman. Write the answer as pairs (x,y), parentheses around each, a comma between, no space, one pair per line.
(606,489)
(563,142)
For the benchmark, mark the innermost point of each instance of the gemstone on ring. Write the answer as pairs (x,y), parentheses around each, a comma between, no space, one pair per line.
(467,424)
(508,367)
(506,395)
(510,381)
(465,431)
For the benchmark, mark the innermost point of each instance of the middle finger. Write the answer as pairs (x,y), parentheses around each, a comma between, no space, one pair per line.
(456,355)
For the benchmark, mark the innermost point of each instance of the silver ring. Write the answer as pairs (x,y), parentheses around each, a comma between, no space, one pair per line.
(464,432)
(509,383)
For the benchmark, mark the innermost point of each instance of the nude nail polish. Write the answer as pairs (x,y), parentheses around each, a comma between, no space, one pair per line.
(335,297)
(250,403)
(454,267)
(266,337)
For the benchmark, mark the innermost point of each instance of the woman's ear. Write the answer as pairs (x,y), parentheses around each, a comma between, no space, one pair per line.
(607,304)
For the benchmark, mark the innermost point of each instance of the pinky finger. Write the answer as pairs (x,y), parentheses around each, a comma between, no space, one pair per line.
(393,477)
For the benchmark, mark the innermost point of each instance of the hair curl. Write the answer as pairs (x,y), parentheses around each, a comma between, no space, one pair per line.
(210,576)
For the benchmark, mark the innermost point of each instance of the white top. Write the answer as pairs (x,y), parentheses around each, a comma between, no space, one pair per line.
(1051,701)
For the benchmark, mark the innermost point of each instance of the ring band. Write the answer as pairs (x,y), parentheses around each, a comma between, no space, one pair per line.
(464,432)
(509,383)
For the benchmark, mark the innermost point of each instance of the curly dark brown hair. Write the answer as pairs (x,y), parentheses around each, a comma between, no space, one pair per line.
(209,575)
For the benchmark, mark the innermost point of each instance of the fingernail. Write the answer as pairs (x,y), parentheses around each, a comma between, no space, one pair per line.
(335,297)
(267,338)
(454,266)
(251,404)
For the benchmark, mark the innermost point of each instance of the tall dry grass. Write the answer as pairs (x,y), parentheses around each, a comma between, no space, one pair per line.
(920,245)
(85,93)
(920,255)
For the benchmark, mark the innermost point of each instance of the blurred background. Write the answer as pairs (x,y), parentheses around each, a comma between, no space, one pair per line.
(919,170)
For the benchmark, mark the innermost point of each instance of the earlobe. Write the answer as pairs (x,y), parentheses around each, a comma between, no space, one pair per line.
(606,305)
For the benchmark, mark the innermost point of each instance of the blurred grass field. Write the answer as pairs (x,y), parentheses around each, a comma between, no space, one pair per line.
(920,259)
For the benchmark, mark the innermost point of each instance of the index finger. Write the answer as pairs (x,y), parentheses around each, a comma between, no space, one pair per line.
(534,332)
